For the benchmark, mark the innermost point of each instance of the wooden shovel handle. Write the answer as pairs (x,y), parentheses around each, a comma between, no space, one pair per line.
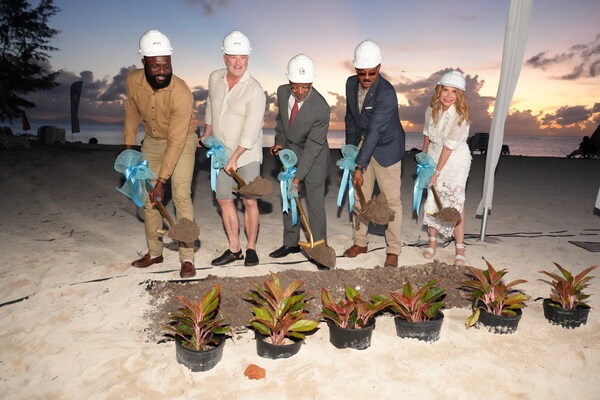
(361,196)
(161,208)
(436,197)
(237,178)
(304,221)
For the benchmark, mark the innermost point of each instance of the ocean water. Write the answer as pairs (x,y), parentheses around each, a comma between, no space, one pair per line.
(531,146)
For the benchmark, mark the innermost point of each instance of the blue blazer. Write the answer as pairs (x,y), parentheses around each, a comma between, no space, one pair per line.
(377,124)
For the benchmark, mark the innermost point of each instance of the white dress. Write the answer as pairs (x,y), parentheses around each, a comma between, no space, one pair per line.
(452,180)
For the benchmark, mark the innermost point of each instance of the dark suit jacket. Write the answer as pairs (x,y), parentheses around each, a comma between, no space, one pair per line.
(377,124)
(308,135)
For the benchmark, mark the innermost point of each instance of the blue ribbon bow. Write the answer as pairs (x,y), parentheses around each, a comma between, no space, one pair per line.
(134,167)
(425,169)
(348,164)
(218,158)
(288,189)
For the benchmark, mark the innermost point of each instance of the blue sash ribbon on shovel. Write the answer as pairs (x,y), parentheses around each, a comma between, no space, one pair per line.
(218,158)
(134,167)
(348,164)
(288,189)
(425,169)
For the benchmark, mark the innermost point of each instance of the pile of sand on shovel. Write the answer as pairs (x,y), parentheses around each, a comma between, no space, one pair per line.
(448,214)
(184,231)
(377,211)
(322,254)
(258,187)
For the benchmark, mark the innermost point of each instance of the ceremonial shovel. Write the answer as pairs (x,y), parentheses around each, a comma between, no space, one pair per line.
(258,187)
(184,230)
(447,214)
(377,211)
(318,251)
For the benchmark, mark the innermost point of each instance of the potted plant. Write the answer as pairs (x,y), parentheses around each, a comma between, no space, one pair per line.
(351,320)
(566,306)
(279,318)
(418,312)
(496,305)
(199,337)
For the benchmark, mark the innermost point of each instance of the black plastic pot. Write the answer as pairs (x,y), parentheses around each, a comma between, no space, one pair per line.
(202,360)
(500,324)
(275,351)
(344,338)
(565,317)
(427,331)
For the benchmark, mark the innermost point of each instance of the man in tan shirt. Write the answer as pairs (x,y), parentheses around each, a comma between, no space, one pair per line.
(165,104)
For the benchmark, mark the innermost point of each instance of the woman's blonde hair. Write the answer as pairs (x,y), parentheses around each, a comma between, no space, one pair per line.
(461,104)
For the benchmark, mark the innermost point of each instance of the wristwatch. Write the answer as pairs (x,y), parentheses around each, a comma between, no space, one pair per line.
(360,168)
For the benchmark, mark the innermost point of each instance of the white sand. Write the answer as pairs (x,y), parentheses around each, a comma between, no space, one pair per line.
(63,224)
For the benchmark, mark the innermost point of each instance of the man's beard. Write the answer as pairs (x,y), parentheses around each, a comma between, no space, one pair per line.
(156,84)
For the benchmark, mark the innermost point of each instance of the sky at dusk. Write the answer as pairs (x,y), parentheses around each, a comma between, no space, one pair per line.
(558,92)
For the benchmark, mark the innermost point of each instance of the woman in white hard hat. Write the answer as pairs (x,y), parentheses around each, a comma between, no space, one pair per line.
(445,131)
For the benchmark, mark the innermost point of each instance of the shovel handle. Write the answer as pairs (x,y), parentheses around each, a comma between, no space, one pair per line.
(161,208)
(304,221)
(237,177)
(436,197)
(361,196)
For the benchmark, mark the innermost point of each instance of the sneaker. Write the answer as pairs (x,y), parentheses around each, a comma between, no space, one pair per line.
(251,258)
(227,258)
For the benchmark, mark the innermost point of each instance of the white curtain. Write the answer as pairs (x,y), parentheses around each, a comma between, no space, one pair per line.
(515,39)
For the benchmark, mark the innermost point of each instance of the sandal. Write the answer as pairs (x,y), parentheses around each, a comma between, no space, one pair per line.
(459,260)
(430,251)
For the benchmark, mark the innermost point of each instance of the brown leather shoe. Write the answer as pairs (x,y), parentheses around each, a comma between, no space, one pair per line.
(147,261)
(354,251)
(391,260)
(187,270)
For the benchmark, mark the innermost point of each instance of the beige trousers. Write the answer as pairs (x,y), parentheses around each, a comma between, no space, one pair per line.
(181,183)
(388,180)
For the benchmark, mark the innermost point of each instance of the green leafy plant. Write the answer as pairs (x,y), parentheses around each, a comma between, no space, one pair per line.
(196,324)
(280,312)
(567,290)
(351,312)
(417,305)
(490,293)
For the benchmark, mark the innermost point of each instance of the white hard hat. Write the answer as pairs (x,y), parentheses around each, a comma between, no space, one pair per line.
(155,43)
(453,79)
(367,55)
(236,43)
(301,69)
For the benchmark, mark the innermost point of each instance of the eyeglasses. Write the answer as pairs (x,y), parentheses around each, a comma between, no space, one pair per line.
(365,73)
(297,88)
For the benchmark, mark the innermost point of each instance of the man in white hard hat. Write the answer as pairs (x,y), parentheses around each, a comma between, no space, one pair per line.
(234,114)
(165,104)
(373,124)
(302,125)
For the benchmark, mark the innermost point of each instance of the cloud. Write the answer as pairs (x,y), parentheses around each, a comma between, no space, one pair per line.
(209,6)
(585,56)
(338,110)
(568,115)
(541,61)
(522,123)
(101,99)
(115,89)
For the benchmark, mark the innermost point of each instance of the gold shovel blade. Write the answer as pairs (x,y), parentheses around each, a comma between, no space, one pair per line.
(306,245)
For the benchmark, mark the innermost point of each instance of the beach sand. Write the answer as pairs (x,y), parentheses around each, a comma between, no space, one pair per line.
(73,315)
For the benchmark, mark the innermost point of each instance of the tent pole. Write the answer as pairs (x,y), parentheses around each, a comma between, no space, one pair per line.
(484,224)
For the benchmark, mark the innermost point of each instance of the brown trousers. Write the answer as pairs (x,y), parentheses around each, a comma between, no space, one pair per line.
(181,184)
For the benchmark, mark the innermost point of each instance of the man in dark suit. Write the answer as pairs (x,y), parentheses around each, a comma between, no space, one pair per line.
(373,124)
(302,125)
